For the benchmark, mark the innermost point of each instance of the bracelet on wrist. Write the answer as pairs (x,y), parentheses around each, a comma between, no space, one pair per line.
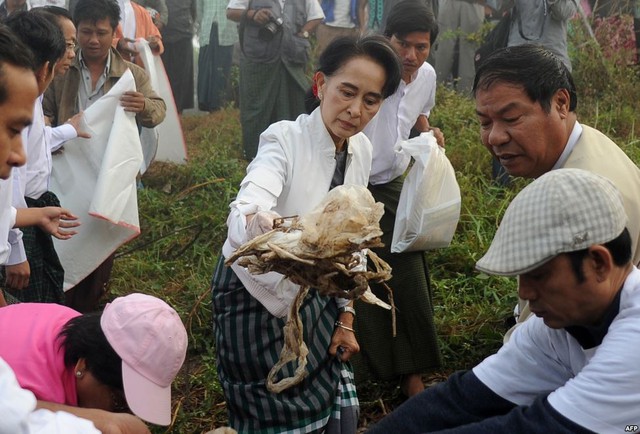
(348,309)
(342,326)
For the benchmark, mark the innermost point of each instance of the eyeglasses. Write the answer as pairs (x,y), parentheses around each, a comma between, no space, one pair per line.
(71,45)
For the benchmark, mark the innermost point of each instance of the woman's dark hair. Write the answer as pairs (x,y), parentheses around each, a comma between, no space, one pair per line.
(411,16)
(42,35)
(619,247)
(375,47)
(538,71)
(96,10)
(82,337)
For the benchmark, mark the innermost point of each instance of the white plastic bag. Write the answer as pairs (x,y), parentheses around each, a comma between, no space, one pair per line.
(429,206)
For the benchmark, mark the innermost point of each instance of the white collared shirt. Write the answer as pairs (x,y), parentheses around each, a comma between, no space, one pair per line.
(394,121)
(87,95)
(571,143)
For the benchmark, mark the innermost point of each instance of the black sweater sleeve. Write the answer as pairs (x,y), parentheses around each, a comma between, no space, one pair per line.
(463,404)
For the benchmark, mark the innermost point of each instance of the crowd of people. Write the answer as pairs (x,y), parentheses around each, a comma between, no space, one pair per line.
(572,237)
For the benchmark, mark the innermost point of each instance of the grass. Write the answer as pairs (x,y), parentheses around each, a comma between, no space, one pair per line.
(183,211)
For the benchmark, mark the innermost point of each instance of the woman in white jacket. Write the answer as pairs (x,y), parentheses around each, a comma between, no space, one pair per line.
(297,163)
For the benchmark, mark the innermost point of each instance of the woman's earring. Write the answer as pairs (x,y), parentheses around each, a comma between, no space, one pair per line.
(78,374)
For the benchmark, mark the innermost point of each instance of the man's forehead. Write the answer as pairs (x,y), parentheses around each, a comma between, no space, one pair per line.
(417,37)
(102,23)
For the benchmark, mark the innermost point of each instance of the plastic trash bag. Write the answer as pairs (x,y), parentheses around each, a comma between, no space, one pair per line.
(429,206)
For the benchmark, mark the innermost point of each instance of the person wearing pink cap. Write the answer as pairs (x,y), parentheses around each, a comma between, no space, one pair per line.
(121,360)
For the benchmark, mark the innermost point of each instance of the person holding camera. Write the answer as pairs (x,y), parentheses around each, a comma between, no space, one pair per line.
(274,38)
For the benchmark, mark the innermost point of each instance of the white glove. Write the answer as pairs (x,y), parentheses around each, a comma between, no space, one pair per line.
(260,223)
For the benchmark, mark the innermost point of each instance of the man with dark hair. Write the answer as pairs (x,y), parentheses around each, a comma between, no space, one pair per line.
(33,271)
(526,102)
(411,29)
(94,72)
(98,67)
(572,368)
(65,23)
(18,91)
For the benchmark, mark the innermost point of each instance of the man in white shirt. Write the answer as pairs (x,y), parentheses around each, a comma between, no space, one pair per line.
(573,368)
(18,91)
(33,271)
(411,28)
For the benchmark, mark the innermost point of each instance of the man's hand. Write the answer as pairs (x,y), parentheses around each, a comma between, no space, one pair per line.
(74,121)
(261,16)
(438,135)
(55,219)
(17,276)
(153,41)
(126,48)
(132,101)
(121,423)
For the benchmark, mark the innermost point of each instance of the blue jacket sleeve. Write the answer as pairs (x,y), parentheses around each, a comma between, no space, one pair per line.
(463,404)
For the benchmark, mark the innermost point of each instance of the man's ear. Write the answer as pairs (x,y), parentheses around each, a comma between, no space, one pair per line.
(562,101)
(601,261)
(43,72)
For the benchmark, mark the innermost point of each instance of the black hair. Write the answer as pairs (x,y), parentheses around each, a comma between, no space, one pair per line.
(540,73)
(56,11)
(12,52)
(619,247)
(82,337)
(43,36)
(375,47)
(96,10)
(411,16)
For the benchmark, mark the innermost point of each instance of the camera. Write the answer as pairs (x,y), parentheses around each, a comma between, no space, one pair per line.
(270,29)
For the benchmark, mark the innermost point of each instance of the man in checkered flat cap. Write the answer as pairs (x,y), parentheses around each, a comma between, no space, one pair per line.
(573,367)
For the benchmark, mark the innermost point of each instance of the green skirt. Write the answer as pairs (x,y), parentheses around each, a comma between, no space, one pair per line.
(248,343)
(414,349)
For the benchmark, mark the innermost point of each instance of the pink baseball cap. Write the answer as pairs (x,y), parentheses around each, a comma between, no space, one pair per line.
(150,338)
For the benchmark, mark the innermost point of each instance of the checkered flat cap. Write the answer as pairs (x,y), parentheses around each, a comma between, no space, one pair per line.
(562,211)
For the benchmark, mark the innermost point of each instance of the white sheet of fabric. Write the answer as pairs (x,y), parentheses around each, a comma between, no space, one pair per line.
(96,179)
(171,145)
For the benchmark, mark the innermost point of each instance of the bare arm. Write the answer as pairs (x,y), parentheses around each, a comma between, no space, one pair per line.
(50,219)
(236,14)
(363,17)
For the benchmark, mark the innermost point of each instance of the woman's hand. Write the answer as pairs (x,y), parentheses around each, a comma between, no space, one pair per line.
(343,342)
(260,223)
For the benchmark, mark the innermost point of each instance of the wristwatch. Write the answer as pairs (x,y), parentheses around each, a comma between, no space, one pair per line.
(304,34)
